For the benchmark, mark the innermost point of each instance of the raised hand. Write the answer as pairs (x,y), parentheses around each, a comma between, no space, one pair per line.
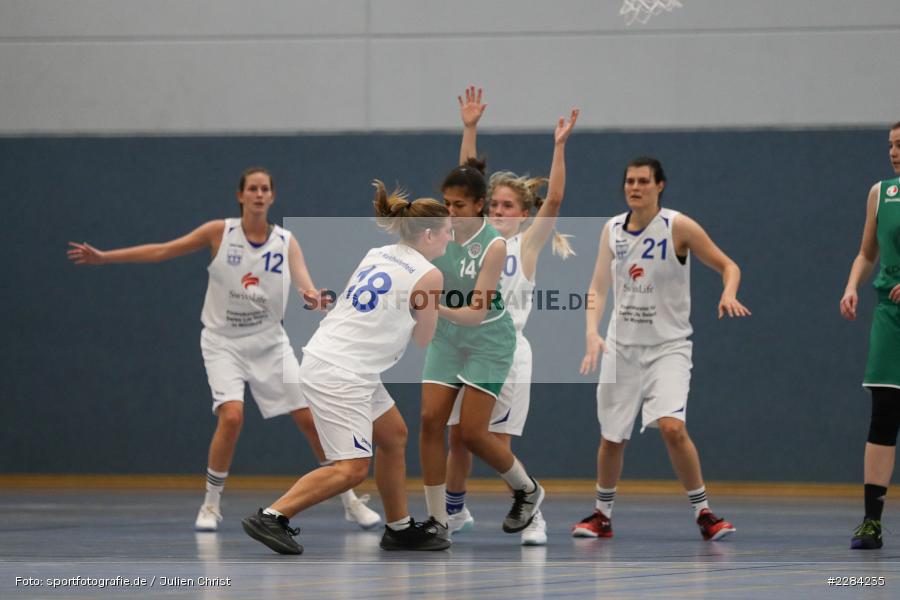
(563,129)
(85,254)
(471,109)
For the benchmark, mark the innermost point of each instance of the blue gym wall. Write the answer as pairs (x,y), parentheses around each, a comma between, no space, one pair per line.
(102,368)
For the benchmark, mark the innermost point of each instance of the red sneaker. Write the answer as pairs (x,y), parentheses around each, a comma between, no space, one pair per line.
(712,527)
(593,526)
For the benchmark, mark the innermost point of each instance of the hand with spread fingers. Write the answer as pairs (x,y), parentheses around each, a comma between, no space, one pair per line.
(471,108)
(731,307)
(85,254)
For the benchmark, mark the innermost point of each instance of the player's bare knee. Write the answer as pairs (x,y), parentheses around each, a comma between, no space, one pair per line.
(673,431)
(433,424)
(231,419)
(392,439)
(354,471)
(473,438)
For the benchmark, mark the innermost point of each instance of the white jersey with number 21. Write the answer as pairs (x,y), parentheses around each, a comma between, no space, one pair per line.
(651,285)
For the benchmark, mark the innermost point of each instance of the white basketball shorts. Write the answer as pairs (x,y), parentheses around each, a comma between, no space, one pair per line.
(264,360)
(654,380)
(344,406)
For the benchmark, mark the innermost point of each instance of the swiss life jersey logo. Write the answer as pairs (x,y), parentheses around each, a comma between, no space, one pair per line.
(635,272)
(249,280)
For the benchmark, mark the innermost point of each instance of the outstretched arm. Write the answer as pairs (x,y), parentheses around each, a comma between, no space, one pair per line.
(207,235)
(470,110)
(596,301)
(539,232)
(865,259)
(688,235)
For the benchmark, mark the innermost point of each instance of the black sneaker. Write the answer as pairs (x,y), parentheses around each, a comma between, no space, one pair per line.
(867,536)
(274,532)
(418,536)
(525,505)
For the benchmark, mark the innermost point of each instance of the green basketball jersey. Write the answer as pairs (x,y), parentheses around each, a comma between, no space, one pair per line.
(888,234)
(461,265)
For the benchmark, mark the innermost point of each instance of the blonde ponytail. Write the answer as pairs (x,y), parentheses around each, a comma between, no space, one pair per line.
(415,216)
(561,245)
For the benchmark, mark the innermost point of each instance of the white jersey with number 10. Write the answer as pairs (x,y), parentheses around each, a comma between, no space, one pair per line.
(517,290)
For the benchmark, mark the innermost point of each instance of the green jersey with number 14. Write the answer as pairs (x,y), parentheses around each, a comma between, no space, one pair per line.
(461,265)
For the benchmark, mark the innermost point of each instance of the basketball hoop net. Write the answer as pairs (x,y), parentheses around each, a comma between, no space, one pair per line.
(641,10)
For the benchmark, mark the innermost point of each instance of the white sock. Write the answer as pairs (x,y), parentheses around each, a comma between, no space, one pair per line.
(435,502)
(399,525)
(215,484)
(348,497)
(698,500)
(517,478)
(606,497)
(273,512)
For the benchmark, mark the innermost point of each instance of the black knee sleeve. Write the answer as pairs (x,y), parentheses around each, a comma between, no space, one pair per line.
(885,421)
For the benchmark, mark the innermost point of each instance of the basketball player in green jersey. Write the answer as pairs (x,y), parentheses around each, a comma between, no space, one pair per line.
(881,235)
(472,350)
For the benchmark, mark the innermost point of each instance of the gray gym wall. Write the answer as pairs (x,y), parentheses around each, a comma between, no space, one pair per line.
(125,122)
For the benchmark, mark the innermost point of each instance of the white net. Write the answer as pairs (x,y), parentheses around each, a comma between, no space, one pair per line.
(640,11)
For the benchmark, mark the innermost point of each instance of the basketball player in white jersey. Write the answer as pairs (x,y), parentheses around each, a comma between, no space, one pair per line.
(391,296)
(512,200)
(242,340)
(645,254)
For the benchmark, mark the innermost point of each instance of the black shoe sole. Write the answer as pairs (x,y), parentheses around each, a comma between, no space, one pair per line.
(441,545)
(261,535)
(866,545)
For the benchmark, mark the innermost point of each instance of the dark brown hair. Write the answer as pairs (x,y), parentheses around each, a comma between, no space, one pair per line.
(469,176)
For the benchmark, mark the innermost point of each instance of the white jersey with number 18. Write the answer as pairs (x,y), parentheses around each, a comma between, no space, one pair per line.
(370,325)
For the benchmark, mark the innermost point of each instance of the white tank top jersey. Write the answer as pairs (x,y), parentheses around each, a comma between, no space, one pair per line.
(517,290)
(248,284)
(652,286)
(370,325)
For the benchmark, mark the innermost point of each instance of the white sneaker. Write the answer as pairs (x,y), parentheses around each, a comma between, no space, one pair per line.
(536,533)
(208,518)
(357,512)
(461,521)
